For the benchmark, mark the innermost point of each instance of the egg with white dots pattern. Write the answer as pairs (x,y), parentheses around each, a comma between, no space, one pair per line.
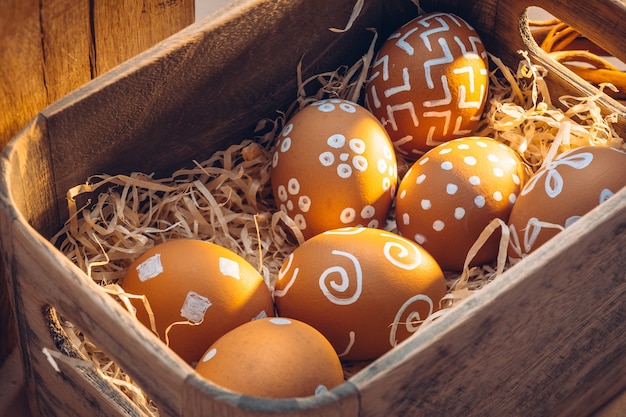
(333,165)
(428,82)
(364,289)
(452,193)
(275,357)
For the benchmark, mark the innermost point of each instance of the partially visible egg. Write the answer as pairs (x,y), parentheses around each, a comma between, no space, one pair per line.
(209,286)
(562,191)
(274,357)
(334,166)
(364,289)
(428,83)
(450,195)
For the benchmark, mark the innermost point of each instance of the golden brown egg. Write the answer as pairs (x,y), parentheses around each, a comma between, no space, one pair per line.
(561,192)
(365,289)
(273,357)
(453,192)
(334,166)
(428,83)
(194,281)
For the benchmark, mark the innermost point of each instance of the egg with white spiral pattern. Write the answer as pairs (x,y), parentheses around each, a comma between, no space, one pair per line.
(364,289)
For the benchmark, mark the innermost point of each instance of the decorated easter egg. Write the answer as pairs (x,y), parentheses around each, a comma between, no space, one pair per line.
(274,357)
(334,166)
(453,192)
(428,82)
(364,289)
(562,191)
(205,288)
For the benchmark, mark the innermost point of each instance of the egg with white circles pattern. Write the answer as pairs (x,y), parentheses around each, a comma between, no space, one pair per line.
(428,82)
(452,193)
(560,192)
(364,289)
(333,165)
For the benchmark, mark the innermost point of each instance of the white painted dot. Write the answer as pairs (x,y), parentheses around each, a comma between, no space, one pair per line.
(459,213)
(402,193)
(293,186)
(447,165)
(344,170)
(285,144)
(290,205)
(516,179)
(426,204)
(419,238)
(347,215)
(344,156)
(481,144)
(209,355)
(336,141)
(470,160)
(357,145)
(359,163)
(420,179)
(463,146)
(320,389)
(497,196)
(498,172)
(287,129)
(438,225)
(405,218)
(304,203)
(452,188)
(373,224)
(368,212)
(300,221)
(512,161)
(326,107)
(347,107)
(386,183)
(474,180)
(274,159)
(512,198)
(281,321)
(327,159)
(282,193)
(479,201)
(382,166)
(387,153)
(445,151)
(493,158)
(423,160)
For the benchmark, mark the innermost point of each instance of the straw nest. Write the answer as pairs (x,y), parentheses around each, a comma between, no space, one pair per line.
(227,199)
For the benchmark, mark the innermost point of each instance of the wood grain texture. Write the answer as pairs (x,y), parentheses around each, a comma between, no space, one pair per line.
(538,341)
(49,48)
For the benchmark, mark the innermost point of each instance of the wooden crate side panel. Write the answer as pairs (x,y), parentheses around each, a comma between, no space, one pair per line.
(343,401)
(53,280)
(545,338)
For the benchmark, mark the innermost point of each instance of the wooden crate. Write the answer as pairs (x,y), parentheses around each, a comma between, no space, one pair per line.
(545,339)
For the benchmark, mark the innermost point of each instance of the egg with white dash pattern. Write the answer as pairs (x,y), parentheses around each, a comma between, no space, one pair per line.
(453,192)
(197,291)
(334,166)
(364,289)
(428,82)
